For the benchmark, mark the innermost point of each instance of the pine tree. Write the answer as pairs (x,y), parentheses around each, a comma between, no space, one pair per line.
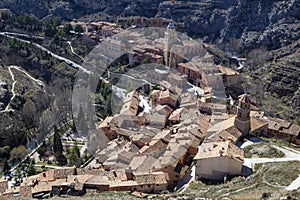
(82,123)
(5,166)
(76,149)
(31,170)
(67,28)
(57,144)
(74,157)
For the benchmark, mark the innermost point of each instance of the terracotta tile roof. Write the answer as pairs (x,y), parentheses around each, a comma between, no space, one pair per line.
(117,175)
(132,96)
(234,131)
(141,163)
(256,123)
(144,179)
(157,120)
(164,135)
(163,109)
(64,172)
(144,139)
(175,115)
(223,125)
(167,94)
(130,108)
(272,125)
(294,129)
(227,71)
(281,122)
(245,98)
(190,66)
(154,146)
(82,171)
(98,180)
(79,180)
(47,176)
(204,125)
(193,129)
(43,187)
(3,185)
(106,122)
(219,149)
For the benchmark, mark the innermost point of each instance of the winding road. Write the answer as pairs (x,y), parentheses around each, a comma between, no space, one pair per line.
(290,155)
(75,65)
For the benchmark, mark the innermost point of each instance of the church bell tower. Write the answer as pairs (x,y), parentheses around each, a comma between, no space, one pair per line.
(242,120)
(170,39)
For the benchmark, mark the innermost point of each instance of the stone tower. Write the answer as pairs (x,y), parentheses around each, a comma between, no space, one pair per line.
(170,39)
(242,120)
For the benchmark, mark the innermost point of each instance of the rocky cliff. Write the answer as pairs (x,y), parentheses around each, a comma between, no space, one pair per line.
(265,31)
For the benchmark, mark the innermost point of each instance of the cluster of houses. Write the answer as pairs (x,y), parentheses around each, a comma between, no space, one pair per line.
(140,22)
(4,14)
(98,30)
(153,140)
(95,30)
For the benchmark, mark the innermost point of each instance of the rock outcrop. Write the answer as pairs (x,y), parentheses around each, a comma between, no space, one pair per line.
(4,94)
(236,26)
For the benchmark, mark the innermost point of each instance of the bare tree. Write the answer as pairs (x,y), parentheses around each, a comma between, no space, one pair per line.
(257,57)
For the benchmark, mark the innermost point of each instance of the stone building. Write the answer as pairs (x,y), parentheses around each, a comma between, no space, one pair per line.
(217,160)
(242,120)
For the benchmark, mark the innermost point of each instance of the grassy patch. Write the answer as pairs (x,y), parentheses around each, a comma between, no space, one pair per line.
(257,166)
(262,150)
(45,163)
(268,177)
(281,174)
(197,185)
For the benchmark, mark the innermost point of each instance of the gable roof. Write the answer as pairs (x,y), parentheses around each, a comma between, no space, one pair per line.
(220,149)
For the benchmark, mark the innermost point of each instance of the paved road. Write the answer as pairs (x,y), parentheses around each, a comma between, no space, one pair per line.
(68,61)
(290,155)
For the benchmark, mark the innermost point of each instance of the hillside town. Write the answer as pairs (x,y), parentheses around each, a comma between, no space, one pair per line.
(191,118)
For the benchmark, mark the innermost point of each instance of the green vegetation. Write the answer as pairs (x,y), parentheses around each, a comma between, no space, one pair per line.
(31,170)
(5,165)
(31,23)
(78,29)
(262,150)
(273,177)
(18,153)
(74,156)
(57,144)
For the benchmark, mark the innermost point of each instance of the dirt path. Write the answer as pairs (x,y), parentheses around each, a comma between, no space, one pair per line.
(73,52)
(7,109)
(39,82)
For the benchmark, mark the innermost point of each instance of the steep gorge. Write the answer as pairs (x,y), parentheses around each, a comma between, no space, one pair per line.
(267,32)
